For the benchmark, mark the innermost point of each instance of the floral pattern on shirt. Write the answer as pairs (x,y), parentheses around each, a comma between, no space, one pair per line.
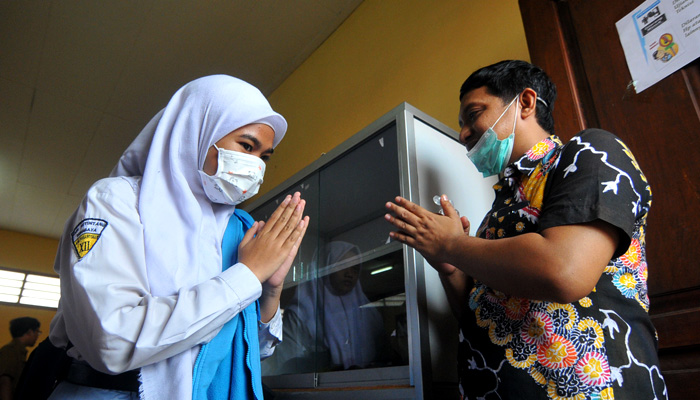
(562,347)
(548,340)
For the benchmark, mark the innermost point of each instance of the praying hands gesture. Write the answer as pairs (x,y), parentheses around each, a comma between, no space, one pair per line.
(269,248)
(430,233)
(560,263)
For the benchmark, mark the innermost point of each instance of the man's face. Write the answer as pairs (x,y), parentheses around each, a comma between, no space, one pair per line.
(35,337)
(30,337)
(478,111)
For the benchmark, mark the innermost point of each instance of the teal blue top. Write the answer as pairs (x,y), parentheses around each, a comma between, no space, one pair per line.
(228,367)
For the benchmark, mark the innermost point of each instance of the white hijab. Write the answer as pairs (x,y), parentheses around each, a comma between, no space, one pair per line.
(183,229)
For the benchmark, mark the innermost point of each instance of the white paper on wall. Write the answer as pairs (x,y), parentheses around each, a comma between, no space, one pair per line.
(659,37)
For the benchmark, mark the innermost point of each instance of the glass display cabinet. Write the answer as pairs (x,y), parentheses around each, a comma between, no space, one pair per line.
(365,316)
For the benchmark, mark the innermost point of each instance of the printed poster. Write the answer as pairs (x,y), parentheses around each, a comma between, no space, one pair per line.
(660,37)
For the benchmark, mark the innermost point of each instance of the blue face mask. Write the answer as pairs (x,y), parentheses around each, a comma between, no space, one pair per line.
(490,155)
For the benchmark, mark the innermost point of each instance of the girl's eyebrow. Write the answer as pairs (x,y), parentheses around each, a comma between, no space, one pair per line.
(256,142)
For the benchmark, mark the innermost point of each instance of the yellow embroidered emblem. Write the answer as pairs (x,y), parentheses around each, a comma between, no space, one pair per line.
(86,234)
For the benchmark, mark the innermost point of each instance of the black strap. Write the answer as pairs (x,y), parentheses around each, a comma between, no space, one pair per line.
(80,373)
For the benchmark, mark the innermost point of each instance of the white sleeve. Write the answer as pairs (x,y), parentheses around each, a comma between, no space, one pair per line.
(270,334)
(106,308)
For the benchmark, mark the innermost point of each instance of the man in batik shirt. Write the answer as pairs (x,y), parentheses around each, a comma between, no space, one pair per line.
(551,295)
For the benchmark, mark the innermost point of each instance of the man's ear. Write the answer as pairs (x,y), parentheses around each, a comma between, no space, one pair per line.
(528,103)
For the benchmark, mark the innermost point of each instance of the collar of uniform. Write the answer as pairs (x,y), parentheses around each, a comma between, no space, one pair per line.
(539,153)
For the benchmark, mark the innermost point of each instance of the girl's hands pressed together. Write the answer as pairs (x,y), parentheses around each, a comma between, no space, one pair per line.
(268,248)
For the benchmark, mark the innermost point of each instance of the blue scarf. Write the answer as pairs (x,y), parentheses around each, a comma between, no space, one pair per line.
(228,367)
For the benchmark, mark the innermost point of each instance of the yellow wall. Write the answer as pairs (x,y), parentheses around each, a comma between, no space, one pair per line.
(387,52)
(27,253)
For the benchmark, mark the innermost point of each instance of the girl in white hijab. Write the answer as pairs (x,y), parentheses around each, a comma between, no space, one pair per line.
(143,282)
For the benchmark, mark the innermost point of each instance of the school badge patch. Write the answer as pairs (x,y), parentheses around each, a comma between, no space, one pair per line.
(86,234)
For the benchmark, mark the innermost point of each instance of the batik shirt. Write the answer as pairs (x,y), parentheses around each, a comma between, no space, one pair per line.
(602,346)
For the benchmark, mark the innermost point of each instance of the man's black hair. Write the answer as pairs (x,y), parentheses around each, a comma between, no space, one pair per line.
(22,325)
(507,79)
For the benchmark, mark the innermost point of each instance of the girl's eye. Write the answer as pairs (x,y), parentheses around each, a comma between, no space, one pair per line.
(247,147)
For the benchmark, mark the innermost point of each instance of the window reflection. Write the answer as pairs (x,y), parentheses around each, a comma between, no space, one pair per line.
(331,324)
(343,300)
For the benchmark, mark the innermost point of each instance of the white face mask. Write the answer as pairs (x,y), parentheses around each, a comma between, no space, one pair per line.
(238,177)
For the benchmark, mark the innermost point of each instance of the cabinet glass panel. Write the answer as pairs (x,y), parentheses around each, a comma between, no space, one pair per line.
(344,299)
